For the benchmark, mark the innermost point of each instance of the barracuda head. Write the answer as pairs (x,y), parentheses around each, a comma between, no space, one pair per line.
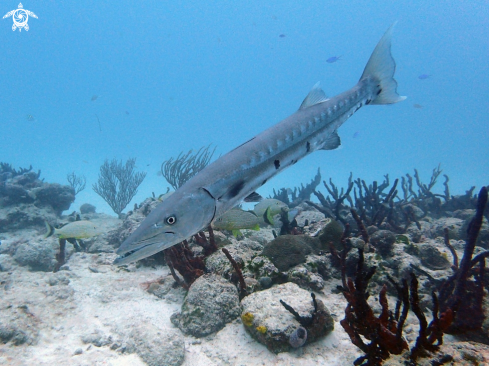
(177,218)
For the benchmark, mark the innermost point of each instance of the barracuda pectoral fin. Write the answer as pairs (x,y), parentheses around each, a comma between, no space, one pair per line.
(315,96)
(332,142)
(253,197)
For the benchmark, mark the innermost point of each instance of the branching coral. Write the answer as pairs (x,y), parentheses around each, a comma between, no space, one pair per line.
(118,183)
(8,171)
(459,292)
(190,266)
(458,309)
(177,171)
(78,183)
(242,284)
(382,204)
(294,197)
(383,331)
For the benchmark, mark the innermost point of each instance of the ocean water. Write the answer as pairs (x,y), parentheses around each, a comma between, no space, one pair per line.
(174,76)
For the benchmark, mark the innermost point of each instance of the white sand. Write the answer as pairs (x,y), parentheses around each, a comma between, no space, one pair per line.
(114,300)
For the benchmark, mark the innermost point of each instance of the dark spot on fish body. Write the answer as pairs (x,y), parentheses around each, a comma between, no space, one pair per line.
(380,91)
(292,162)
(308,146)
(262,183)
(277,164)
(235,189)
(368,101)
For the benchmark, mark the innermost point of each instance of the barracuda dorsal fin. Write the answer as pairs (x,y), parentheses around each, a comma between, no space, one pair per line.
(315,96)
(332,142)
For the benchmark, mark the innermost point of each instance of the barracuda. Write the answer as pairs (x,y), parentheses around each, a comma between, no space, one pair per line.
(230,179)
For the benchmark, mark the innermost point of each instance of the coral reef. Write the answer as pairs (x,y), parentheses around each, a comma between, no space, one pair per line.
(458,308)
(26,201)
(7,171)
(294,197)
(384,206)
(463,292)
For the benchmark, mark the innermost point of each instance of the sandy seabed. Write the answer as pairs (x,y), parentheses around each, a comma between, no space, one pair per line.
(103,297)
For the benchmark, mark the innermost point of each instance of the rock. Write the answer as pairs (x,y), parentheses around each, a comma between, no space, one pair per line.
(331,234)
(267,320)
(18,325)
(58,278)
(287,251)
(482,238)
(164,289)
(452,353)
(38,256)
(311,216)
(261,266)
(432,258)
(7,263)
(98,338)
(55,195)
(211,303)
(453,224)
(306,279)
(265,282)
(242,252)
(12,194)
(11,333)
(155,346)
(466,214)
(87,208)
(25,216)
(320,264)
(383,241)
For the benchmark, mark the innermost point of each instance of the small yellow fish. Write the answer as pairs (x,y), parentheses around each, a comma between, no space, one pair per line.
(236,219)
(268,208)
(74,230)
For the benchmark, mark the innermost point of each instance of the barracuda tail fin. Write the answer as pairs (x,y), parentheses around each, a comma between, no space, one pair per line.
(381,67)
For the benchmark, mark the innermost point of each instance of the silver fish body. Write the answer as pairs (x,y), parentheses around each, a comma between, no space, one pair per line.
(227,181)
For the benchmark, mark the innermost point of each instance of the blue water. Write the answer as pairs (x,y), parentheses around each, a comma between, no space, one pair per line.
(190,74)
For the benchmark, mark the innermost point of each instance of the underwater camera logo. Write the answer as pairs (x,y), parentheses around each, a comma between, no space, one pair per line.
(20,17)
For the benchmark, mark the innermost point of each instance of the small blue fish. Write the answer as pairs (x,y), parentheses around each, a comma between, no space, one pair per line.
(356,134)
(333,59)
(30,118)
(423,76)
(282,35)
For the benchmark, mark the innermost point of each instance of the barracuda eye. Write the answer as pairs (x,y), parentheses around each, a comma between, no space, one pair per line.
(170,220)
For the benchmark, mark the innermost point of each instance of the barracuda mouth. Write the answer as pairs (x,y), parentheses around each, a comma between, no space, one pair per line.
(130,252)
(128,256)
